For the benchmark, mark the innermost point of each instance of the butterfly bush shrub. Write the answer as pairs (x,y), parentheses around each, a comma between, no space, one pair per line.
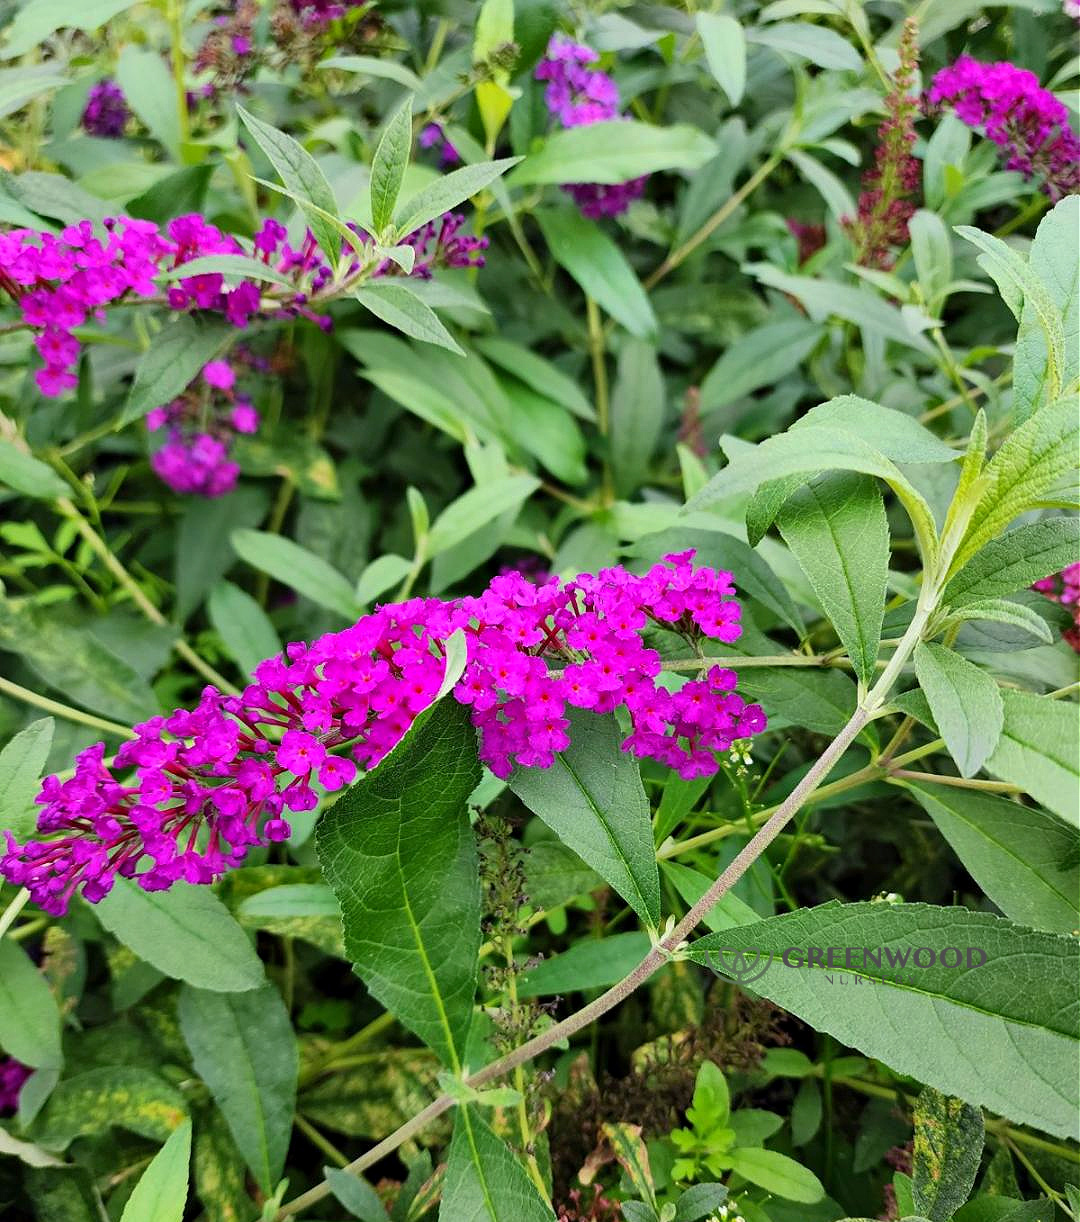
(538,612)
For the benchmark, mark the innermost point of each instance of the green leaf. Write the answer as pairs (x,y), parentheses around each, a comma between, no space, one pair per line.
(537,373)
(298,568)
(369,65)
(819,45)
(966,704)
(161,1193)
(1025,860)
(596,263)
(173,361)
(725,52)
(476,508)
(399,853)
(753,577)
(127,1096)
(484,1181)
(593,800)
(1017,280)
(302,176)
(389,165)
(1018,1009)
(1051,261)
(1001,611)
(21,85)
(28,475)
(243,626)
(185,932)
(356,1194)
(837,197)
(1037,751)
(837,530)
(72,660)
(405,312)
(175,194)
(858,305)
(243,1048)
(613,151)
(593,963)
(379,576)
(1033,460)
(691,885)
(638,400)
(21,763)
(1015,561)
(29,1016)
(35,21)
(149,91)
(947,1149)
(807,451)
(698,1201)
(203,550)
(777,1173)
(447,192)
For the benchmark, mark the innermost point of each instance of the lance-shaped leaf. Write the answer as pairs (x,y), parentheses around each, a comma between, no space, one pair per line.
(400,855)
(593,800)
(1006,1029)
(966,704)
(1025,860)
(303,178)
(161,1193)
(389,165)
(243,1048)
(21,763)
(29,1017)
(484,1181)
(837,529)
(1037,751)
(1016,560)
(172,362)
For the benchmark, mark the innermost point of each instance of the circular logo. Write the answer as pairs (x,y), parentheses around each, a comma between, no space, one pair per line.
(744,966)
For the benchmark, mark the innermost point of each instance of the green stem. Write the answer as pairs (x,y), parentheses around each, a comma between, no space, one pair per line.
(179,65)
(959,781)
(681,253)
(64,710)
(317,1139)
(597,345)
(138,596)
(531,1164)
(7,918)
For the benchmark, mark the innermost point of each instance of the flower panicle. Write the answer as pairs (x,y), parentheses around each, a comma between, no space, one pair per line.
(886,202)
(1028,123)
(578,95)
(196,789)
(59,283)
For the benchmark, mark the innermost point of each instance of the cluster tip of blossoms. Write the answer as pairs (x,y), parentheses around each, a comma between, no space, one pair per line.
(578,95)
(1028,123)
(208,784)
(106,112)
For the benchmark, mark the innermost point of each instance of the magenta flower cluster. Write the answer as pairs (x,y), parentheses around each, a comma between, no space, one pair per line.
(577,94)
(200,426)
(12,1076)
(206,785)
(106,112)
(1028,123)
(60,283)
(1064,588)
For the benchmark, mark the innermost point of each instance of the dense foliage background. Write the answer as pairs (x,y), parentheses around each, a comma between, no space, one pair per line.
(313,307)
